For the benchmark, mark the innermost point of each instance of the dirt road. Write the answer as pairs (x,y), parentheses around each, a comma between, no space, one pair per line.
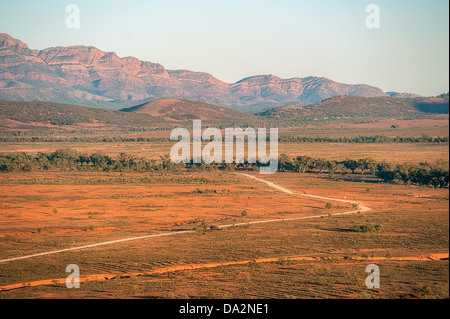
(359,208)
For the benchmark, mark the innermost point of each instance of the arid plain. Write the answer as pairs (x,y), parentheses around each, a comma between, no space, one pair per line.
(221,234)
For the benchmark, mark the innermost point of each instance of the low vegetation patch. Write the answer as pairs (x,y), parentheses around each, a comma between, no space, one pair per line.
(367,228)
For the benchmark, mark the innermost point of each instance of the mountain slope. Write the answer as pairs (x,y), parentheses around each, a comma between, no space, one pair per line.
(159,113)
(439,104)
(363,108)
(403,95)
(89,76)
(55,114)
(174,110)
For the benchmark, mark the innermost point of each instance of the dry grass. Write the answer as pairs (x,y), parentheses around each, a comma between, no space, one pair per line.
(64,205)
(394,153)
(414,220)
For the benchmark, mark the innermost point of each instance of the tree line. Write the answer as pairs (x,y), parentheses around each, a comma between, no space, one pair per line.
(81,139)
(436,174)
(363,139)
(282,139)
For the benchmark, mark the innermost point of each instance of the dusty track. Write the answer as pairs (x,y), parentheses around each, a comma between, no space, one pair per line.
(335,259)
(360,208)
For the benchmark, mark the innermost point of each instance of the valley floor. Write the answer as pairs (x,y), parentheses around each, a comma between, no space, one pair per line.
(320,257)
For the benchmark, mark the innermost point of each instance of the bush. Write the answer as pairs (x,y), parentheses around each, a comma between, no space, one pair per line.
(367,228)
(197,191)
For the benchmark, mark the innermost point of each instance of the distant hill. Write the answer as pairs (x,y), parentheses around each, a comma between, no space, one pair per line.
(159,113)
(88,76)
(403,95)
(49,114)
(174,110)
(439,104)
(362,107)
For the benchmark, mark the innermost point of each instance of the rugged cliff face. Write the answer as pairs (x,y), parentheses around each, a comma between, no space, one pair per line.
(89,76)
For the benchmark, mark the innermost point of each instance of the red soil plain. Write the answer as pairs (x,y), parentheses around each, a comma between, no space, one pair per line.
(322,256)
(203,234)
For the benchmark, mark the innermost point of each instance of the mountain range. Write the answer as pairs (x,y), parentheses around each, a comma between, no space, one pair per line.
(85,75)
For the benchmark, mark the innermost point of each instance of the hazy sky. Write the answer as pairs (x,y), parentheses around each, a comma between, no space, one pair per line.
(234,39)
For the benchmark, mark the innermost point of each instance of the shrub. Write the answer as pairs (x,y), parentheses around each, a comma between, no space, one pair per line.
(367,228)
(197,191)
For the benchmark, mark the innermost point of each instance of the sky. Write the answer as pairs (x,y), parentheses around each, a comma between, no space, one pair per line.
(234,39)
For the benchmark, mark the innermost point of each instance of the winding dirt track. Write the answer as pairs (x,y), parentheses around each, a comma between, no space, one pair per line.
(336,259)
(360,208)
